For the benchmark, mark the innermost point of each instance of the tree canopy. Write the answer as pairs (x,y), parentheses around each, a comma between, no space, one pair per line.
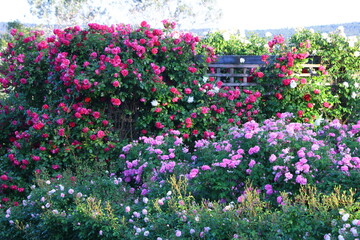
(66,12)
(80,12)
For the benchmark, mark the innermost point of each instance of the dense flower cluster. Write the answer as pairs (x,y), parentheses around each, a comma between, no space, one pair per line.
(276,156)
(279,157)
(74,96)
(136,104)
(295,89)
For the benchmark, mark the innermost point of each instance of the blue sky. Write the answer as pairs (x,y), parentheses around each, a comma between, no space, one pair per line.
(245,14)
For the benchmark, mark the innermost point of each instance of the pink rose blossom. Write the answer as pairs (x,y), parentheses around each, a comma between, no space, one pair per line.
(115,101)
(301,180)
(100,134)
(205,167)
(115,83)
(193,173)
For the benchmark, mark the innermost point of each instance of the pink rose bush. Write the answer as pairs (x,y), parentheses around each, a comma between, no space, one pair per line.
(290,92)
(76,95)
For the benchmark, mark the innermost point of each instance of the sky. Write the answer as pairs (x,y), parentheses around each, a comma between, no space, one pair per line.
(245,14)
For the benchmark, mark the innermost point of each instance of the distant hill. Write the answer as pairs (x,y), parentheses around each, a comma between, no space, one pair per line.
(3,26)
(350,29)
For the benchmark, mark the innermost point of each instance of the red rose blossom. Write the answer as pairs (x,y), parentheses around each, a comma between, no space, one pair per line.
(278,96)
(307,97)
(159,125)
(286,82)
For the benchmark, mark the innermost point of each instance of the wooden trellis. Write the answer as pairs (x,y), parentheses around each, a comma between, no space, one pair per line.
(236,70)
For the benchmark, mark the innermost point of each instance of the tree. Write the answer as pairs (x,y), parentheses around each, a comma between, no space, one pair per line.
(185,12)
(66,12)
(80,12)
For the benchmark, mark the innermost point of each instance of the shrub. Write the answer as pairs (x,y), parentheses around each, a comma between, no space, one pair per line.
(105,207)
(196,152)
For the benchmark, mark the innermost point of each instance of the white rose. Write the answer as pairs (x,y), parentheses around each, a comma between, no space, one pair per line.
(346,84)
(190,99)
(327,236)
(51,191)
(345,217)
(154,103)
(354,232)
(293,84)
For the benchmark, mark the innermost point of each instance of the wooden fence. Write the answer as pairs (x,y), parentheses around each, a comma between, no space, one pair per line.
(235,70)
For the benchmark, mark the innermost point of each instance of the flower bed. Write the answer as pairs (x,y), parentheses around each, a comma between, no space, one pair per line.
(116,132)
(264,180)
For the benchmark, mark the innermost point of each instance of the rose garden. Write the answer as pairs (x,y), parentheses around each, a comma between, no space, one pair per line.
(116,132)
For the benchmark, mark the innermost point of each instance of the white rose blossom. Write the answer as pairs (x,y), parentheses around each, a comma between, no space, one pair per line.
(345,217)
(293,84)
(154,103)
(353,95)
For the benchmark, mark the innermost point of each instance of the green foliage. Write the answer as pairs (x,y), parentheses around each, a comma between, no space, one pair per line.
(235,44)
(340,55)
(318,96)
(78,209)
(336,81)
(66,173)
(6,37)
